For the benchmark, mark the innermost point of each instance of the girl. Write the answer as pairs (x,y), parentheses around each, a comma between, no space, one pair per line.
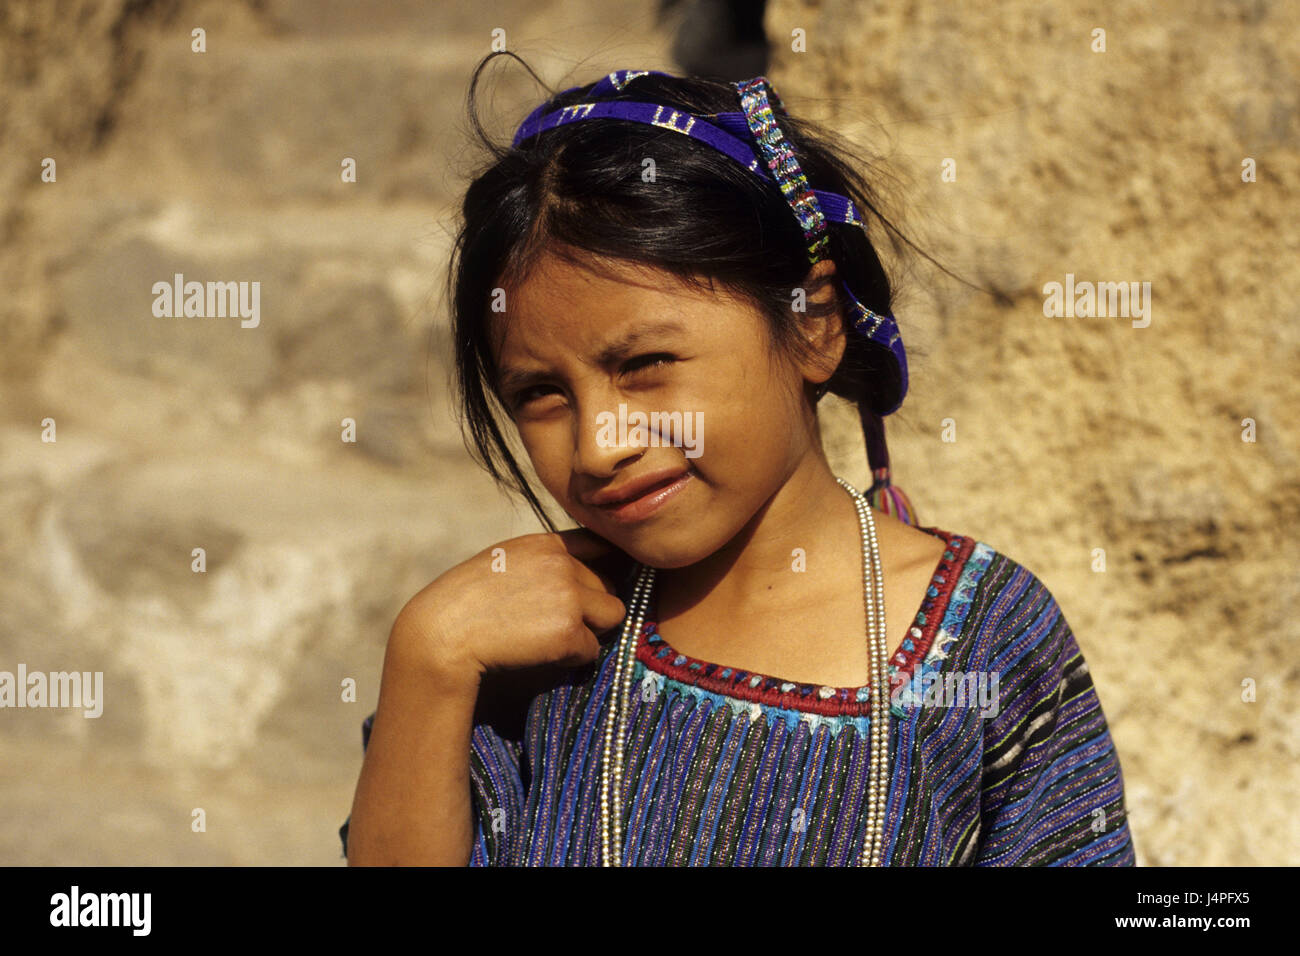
(655,284)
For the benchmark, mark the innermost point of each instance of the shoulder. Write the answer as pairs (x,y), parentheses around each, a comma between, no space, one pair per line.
(1002,621)
(1031,645)
(996,601)
(1029,618)
(997,574)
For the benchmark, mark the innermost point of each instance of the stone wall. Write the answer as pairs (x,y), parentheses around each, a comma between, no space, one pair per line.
(1079,436)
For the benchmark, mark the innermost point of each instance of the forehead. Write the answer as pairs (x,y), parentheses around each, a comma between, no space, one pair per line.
(596,303)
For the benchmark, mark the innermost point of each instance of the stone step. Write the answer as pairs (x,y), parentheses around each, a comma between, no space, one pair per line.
(264,120)
(343,294)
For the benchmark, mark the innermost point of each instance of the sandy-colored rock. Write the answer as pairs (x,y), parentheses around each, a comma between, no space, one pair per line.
(1076,436)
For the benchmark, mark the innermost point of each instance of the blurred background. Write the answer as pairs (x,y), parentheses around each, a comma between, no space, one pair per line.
(1146,475)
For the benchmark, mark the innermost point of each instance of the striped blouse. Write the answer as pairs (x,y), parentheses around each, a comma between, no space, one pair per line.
(999,750)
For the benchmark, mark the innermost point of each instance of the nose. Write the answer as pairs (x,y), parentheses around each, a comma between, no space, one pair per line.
(603,440)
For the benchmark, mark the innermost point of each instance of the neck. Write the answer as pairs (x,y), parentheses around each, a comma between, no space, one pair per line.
(753,574)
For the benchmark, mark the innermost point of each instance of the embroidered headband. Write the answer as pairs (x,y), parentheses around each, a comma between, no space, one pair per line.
(774,162)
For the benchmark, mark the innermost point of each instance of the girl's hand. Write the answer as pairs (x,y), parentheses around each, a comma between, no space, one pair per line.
(535,602)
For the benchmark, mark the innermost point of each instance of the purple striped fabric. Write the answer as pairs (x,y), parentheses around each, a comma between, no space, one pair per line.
(1000,753)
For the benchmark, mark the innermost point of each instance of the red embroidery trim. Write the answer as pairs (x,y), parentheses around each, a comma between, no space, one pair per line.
(805,697)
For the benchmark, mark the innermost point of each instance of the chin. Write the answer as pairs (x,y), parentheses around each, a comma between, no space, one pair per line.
(663,551)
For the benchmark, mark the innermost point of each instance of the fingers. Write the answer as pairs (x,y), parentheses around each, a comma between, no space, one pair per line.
(598,567)
(601,612)
(599,564)
(586,545)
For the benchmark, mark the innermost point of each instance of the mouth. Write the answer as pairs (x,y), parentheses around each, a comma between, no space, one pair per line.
(646,502)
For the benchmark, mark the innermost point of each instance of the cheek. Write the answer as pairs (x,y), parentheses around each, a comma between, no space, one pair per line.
(547,451)
(744,419)
(551,453)
(749,439)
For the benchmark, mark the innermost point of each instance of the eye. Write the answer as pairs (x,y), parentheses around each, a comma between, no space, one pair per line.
(524,396)
(653,360)
(642,363)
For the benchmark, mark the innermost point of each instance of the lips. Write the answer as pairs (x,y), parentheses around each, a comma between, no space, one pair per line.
(650,502)
(635,488)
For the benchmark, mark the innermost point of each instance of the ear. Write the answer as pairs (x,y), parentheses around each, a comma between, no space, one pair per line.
(824,333)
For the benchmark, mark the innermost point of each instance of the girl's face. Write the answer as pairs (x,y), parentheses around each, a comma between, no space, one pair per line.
(577,342)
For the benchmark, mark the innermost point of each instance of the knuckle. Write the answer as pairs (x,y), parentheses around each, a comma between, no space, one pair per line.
(563,621)
(551,541)
(578,645)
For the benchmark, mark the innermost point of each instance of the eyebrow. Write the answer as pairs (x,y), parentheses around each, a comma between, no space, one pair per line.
(511,379)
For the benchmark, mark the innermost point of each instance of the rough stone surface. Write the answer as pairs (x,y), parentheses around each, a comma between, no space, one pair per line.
(1079,434)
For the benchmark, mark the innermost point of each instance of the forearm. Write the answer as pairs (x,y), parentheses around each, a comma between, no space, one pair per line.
(412,803)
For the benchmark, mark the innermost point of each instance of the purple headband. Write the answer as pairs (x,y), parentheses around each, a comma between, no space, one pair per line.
(775,162)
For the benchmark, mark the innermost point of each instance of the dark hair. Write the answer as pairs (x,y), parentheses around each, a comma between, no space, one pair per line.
(578,188)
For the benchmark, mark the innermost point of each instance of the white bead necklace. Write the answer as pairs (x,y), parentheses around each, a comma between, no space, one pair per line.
(611,773)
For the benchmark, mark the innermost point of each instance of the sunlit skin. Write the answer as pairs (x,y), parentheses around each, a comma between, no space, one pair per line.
(725,545)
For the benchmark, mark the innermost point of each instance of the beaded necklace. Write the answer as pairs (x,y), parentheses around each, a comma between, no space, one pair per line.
(616,725)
